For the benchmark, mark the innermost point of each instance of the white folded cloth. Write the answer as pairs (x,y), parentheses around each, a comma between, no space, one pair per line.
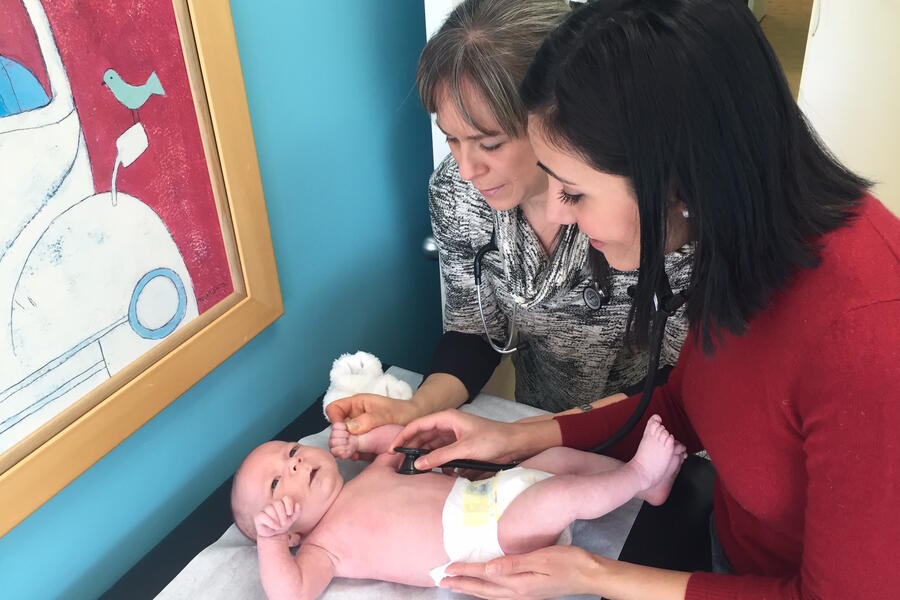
(361,373)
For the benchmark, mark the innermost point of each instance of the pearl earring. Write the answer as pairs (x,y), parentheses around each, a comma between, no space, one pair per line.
(686,214)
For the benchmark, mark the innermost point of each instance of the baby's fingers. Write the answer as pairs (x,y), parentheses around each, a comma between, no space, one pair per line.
(264,524)
(288,505)
(271,511)
(281,511)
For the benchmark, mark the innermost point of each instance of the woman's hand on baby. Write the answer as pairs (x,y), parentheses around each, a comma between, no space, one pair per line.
(545,573)
(343,444)
(364,412)
(276,518)
(452,434)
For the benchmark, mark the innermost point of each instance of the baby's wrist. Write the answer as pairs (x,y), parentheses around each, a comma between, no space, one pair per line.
(279,539)
(358,442)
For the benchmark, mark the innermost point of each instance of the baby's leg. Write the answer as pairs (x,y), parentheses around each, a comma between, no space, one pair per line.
(538,515)
(568,461)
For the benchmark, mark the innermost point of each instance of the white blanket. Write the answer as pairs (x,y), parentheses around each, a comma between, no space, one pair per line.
(228,568)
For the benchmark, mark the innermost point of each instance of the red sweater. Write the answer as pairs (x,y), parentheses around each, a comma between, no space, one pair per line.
(801,418)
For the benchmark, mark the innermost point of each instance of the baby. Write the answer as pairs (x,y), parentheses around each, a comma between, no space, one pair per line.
(407,528)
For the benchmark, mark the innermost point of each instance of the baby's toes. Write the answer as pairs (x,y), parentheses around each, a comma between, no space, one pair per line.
(667,440)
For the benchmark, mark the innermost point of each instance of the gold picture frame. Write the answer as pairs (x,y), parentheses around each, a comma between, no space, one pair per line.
(61,450)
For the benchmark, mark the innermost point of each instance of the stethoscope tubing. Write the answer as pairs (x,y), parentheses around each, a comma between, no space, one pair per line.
(665,304)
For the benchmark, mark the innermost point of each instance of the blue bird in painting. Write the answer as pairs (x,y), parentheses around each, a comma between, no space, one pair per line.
(132,96)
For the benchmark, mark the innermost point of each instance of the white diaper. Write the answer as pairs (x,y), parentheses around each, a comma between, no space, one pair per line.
(472,511)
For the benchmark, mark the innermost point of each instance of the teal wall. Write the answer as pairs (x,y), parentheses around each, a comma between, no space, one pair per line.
(344,150)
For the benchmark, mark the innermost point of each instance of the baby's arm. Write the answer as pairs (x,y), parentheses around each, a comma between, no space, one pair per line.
(282,575)
(343,444)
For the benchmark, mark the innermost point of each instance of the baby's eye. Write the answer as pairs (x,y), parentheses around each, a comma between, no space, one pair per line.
(275,483)
(293,451)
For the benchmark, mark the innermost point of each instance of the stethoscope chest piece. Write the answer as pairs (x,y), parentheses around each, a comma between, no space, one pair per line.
(408,467)
(409,460)
(594,299)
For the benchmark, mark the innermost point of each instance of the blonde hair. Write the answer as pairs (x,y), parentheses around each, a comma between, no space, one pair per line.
(487,45)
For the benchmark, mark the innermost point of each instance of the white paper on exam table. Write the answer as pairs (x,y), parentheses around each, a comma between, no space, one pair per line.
(228,568)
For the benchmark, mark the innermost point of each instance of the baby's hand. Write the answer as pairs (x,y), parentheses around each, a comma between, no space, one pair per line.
(276,518)
(343,444)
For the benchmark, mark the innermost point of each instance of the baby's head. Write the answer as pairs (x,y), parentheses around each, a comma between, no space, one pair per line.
(273,470)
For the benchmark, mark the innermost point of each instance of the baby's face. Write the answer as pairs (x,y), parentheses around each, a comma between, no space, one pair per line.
(307,474)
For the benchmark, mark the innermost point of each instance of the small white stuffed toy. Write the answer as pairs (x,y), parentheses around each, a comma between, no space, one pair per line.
(361,373)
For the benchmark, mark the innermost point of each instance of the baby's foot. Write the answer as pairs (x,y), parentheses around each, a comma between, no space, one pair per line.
(657,461)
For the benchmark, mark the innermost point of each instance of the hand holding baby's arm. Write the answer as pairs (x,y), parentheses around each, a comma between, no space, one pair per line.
(344,444)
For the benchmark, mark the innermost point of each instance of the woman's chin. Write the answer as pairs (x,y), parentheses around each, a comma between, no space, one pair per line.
(619,262)
(501,205)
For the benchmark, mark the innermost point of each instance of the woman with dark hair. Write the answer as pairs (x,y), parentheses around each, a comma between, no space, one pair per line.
(663,121)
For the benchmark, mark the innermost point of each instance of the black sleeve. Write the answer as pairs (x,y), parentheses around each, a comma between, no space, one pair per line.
(660,377)
(466,356)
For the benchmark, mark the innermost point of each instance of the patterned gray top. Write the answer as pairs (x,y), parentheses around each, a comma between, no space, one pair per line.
(567,353)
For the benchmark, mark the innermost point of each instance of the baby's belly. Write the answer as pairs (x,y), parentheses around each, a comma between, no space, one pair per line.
(389,554)
(399,536)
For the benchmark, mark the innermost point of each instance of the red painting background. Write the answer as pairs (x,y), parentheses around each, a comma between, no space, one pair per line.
(135,38)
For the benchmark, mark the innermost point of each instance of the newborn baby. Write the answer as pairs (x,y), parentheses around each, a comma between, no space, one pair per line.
(407,528)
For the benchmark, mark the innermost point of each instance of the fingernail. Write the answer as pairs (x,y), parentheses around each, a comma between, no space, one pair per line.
(420,465)
(352,425)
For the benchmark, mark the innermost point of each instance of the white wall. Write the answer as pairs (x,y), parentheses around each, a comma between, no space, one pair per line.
(850,87)
(435,13)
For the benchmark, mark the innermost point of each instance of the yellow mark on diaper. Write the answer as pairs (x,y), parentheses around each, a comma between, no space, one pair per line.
(479,502)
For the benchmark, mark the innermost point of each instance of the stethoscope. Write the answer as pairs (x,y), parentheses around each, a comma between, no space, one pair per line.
(665,304)
(594,298)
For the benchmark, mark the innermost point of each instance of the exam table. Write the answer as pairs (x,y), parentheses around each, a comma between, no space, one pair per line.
(206,557)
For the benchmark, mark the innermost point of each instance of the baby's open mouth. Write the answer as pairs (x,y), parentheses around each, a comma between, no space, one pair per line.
(312,474)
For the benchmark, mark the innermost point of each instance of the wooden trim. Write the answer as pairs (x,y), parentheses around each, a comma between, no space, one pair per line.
(45,471)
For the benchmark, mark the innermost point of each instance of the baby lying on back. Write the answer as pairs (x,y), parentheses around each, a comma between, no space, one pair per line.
(408,528)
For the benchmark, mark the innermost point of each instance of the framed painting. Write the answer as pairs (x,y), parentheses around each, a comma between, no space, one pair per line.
(135,253)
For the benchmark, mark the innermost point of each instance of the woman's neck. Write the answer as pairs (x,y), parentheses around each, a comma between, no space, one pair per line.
(534,209)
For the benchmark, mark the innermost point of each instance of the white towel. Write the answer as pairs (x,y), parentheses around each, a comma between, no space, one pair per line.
(361,373)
